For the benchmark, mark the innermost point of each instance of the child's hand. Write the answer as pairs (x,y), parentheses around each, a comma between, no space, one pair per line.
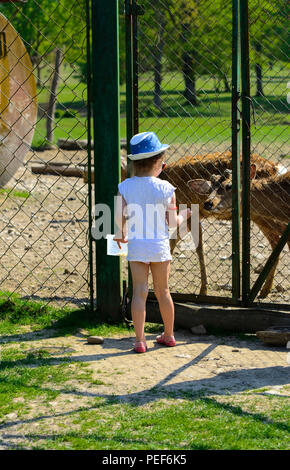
(185,213)
(120,238)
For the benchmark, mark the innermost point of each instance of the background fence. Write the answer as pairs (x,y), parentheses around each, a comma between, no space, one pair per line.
(44,223)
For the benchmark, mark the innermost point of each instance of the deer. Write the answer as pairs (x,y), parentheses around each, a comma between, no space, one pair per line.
(203,167)
(269,202)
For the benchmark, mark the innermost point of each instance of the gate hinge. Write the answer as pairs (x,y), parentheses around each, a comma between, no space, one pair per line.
(133,9)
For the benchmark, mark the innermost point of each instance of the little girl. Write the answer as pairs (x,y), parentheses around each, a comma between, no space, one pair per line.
(151,202)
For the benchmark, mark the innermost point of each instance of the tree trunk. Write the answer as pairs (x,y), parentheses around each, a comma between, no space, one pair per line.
(259,82)
(189,79)
(52,98)
(226,84)
(258,69)
(38,70)
(158,70)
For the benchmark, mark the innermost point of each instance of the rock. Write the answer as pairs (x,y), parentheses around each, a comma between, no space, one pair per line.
(225,257)
(279,335)
(95,339)
(198,330)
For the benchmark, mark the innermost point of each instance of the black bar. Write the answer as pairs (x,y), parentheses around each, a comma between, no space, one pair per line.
(269,264)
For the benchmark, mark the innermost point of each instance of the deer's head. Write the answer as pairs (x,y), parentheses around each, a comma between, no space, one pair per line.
(218,191)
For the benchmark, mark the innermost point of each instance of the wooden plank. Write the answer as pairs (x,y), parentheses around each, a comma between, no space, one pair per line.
(246,320)
(56,170)
(82,144)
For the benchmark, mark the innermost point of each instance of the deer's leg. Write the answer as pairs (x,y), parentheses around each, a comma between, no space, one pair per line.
(174,240)
(200,254)
(273,239)
(199,251)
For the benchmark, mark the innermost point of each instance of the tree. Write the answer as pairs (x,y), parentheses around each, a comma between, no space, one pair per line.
(198,41)
(269,36)
(53,31)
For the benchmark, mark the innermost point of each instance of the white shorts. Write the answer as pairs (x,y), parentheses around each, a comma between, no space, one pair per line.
(149,251)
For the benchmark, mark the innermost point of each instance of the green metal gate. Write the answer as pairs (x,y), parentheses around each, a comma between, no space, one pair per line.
(188,67)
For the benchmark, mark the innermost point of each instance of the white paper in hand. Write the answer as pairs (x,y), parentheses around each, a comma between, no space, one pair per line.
(113,248)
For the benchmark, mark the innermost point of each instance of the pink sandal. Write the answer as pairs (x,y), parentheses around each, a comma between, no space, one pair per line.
(167,342)
(140,347)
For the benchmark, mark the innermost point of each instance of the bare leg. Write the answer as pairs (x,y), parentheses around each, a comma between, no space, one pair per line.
(140,272)
(160,274)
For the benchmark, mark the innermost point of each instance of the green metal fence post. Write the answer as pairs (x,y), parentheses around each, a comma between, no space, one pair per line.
(89,150)
(236,152)
(135,67)
(129,95)
(129,73)
(246,149)
(106,113)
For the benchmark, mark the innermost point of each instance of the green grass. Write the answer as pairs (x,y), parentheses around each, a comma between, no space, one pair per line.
(34,379)
(16,313)
(178,122)
(196,423)
(30,376)
(14,193)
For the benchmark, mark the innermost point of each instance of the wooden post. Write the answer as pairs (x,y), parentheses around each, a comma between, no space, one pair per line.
(106,114)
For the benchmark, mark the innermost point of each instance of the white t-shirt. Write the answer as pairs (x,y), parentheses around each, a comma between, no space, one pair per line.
(147,199)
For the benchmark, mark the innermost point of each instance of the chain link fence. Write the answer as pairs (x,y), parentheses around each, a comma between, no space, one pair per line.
(184,66)
(269,75)
(184,95)
(44,247)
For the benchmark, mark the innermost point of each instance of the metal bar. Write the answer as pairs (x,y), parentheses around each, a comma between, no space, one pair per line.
(129,98)
(236,197)
(269,264)
(89,154)
(106,113)
(129,75)
(135,68)
(246,149)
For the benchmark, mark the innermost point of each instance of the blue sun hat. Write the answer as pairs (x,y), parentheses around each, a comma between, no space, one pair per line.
(145,145)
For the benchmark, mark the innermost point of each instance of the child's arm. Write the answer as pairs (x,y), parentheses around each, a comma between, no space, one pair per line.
(120,220)
(173,219)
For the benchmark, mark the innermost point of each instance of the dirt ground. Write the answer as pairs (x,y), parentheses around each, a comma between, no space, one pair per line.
(44,249)
(207,365)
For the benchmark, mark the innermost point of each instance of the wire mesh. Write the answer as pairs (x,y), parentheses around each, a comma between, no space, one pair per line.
(184,78)
(44,248)
(184,95)
(269,75)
